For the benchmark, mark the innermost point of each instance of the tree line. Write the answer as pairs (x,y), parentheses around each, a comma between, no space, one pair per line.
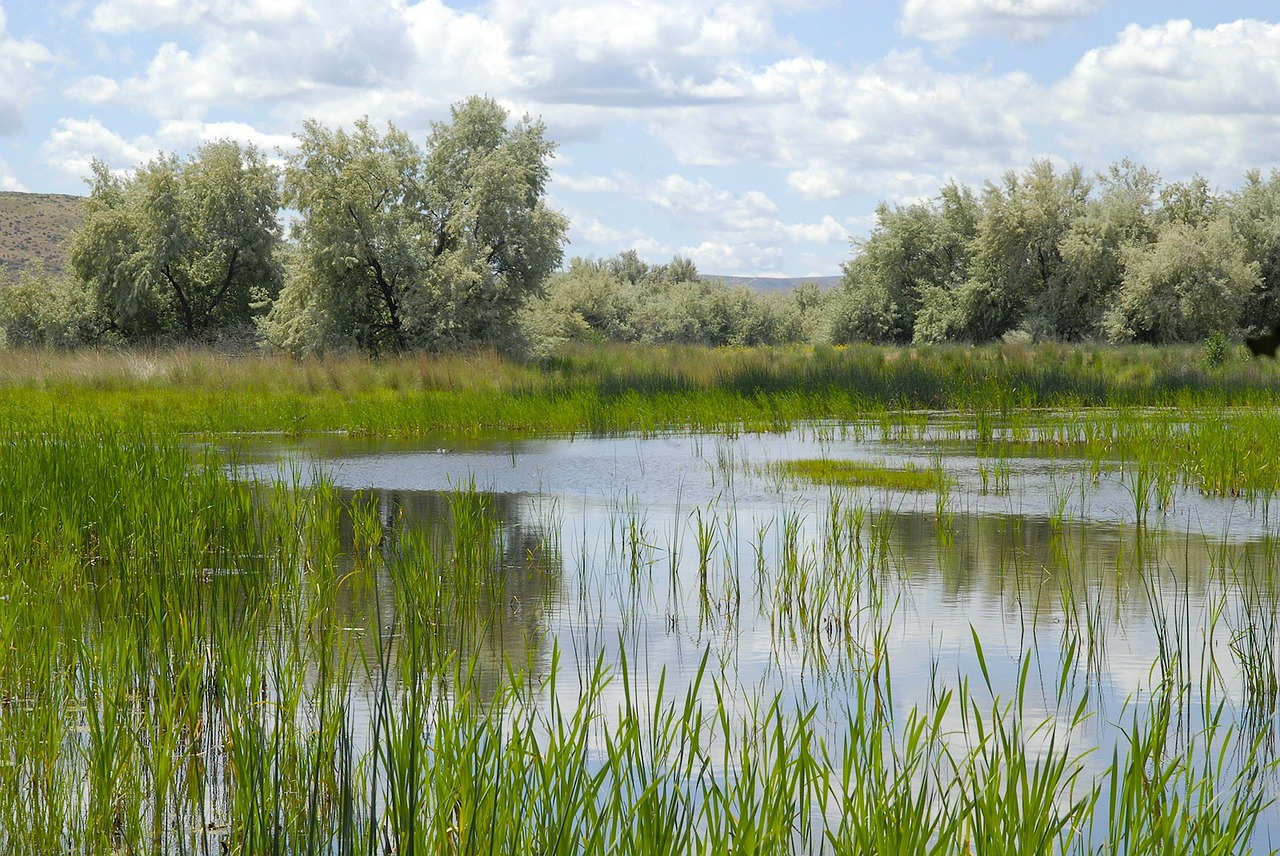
(395,245)
(1118,257)
(450,244)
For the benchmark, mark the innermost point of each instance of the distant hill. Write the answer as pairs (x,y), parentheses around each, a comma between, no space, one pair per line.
(775,283)
(36,227)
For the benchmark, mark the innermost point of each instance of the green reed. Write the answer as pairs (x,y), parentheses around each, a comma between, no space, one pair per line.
(612,389)
(199,665)
(858,474)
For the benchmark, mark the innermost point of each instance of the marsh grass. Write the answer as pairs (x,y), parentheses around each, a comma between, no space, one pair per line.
(857,474)
(195,664)
(601,389)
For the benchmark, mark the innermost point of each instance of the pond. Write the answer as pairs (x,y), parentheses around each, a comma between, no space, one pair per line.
(1066,598)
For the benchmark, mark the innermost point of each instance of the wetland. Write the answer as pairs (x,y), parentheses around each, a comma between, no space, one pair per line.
(1043,624)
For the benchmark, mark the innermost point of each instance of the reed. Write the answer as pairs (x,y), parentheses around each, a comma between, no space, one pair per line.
(857,474)
(199,664)
(611,388)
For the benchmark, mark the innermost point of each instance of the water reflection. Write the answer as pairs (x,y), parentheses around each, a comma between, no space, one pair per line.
(668,583)
(472,568)
(651,553)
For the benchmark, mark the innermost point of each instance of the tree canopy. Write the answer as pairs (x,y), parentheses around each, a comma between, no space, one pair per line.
(400,246)
(1059,255)
(181,246)
(624,299)
(450,244)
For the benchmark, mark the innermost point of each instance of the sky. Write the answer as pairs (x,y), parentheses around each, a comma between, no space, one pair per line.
(755,137)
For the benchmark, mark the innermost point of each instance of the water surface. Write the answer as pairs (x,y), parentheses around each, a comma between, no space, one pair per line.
(655,551)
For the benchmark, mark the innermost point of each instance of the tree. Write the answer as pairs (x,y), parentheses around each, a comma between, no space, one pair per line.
(1190,202)
(624,299)
(494,240)
(1254,214)
(1017,271)
(627,267)
(356,255)
(400,246)
(914,251)
(181,247)
(585,303)
(1120,220)
(44,310)
(1191,283)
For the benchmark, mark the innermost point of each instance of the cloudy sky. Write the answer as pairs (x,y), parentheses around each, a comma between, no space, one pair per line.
(755,136)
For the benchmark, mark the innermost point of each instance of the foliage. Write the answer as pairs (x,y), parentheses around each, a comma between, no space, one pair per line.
(181,248)
(1191,283)
(43,310)
(1057,256)
(623,299)
(1254,214)
(400,246)
(1120,217)
(1018,276)
(912,250)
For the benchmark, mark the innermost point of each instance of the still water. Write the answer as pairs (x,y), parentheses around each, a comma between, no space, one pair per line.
(655,551)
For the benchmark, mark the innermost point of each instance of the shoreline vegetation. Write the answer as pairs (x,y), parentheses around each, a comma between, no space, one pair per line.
(199,665)
(610,388)
(447,245)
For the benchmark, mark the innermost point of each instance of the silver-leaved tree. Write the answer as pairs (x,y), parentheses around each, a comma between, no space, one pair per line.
(181,247)
(398,246)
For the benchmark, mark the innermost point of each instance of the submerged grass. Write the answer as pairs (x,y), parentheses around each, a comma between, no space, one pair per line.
(857,474)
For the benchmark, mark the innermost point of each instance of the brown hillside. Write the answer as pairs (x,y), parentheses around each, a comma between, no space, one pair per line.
(36,227)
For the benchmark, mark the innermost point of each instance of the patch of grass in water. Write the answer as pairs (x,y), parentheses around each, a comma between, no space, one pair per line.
(858,474)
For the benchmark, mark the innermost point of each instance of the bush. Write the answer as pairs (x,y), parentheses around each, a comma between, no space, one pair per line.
(43,310)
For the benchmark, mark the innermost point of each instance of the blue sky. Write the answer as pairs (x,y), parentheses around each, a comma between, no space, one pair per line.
(755,137)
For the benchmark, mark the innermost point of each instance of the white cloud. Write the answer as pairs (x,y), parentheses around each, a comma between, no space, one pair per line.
(699,201)
(588,33)
(734,258)
(587,183)
(74,143)
(955,21)
(826,232)
(338,59)
(94,89)
(590,231)
(9,181)
(1183,98)
(568,32)
(287,57)
(20,69)
(841,131)
(826,180)
(684,70)
(189,135)
(116,17)
(650,248)
(745,231)
(681,69)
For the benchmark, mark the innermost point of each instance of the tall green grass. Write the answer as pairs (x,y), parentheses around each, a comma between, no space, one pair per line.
(612,388)
(195,664)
